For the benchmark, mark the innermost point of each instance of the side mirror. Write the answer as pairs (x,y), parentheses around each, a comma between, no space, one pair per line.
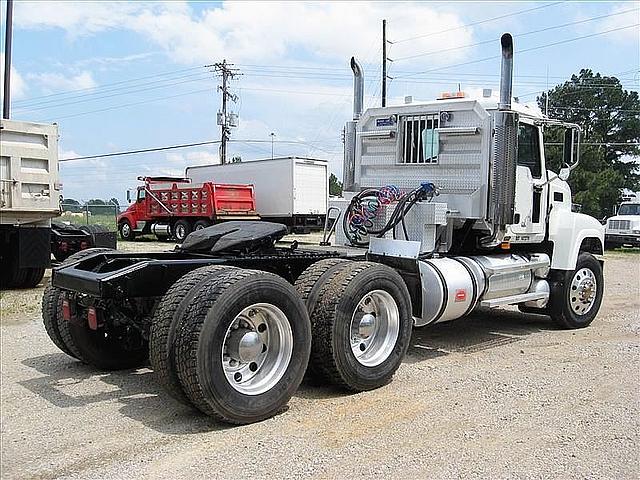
(564,174)
(128,196)
(567,152)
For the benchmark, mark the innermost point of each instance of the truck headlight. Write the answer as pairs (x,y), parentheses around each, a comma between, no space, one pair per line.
(635,232)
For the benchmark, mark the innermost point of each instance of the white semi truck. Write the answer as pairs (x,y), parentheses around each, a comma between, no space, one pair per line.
(451,208)
(29,198)
(623,229)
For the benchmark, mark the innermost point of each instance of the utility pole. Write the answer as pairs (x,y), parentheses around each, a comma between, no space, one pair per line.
(227,72)
(273,136)
(8,34)
(546,95)
(384,63)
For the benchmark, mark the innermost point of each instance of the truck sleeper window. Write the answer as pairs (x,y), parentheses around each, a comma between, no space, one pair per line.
(420,140)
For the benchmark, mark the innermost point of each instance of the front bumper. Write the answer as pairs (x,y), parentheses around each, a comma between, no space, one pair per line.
(623,239)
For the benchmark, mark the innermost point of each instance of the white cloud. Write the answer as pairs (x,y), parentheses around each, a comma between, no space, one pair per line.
(264,31)
(76,18)
(622,15)
(18,85)
(56,82)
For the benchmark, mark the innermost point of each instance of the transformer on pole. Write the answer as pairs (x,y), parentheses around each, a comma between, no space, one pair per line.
(226,121)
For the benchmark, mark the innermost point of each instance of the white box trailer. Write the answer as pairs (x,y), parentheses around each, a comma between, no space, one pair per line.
(289,190)
(29,199)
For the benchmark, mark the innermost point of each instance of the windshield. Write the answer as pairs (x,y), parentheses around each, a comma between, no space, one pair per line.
(629,209)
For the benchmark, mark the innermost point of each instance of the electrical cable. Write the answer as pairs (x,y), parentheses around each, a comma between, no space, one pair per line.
(538,47)
(517,35)
(486,20)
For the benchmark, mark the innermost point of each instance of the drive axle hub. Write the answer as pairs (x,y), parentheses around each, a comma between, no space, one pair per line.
(244,345)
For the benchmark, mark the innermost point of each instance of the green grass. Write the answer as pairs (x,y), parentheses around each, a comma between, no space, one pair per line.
(106,220)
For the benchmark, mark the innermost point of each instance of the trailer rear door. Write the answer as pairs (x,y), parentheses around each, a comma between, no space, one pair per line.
(310,188)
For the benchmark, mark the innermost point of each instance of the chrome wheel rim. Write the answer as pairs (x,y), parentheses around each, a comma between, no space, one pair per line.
(375,326)
(126,229)
(199,227)
(257,349)
(583,291)
(180,232)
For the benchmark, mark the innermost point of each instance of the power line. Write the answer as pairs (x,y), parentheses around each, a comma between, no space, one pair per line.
(142,150)
(538,47)
(478,22)
(28,100)
(185,145)
(145,89)
(115,107)
(560,107)
(494,40)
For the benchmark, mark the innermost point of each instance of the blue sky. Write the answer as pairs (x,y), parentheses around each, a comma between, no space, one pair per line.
(128,75)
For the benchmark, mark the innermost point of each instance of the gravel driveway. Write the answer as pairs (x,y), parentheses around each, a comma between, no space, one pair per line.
(497,395)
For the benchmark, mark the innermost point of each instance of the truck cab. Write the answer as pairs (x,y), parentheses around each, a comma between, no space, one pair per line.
(623,229)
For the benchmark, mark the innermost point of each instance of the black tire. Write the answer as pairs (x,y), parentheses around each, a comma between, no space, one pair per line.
(562,294)
(331,352)
(310,285)
(200,341)
(126,232)
(181,229)
(166,320)
(51,300)
(57,327)
(33,277)
(200,224)
(311,282)
(14,277)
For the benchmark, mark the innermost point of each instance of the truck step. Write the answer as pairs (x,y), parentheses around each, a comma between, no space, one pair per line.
(514,299)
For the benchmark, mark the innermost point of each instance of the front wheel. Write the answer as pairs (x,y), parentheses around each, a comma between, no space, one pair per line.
(576,298)
(126,232)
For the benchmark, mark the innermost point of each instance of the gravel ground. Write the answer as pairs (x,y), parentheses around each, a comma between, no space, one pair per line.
(497,395)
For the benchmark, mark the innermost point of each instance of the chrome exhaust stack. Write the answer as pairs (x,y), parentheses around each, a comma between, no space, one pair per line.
(505,148)
(348,169)
(506,72)
(358,88)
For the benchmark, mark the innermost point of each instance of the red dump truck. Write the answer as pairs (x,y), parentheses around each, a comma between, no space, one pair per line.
(174,207)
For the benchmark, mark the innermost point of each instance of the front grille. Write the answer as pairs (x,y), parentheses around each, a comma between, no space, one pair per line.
(620,224)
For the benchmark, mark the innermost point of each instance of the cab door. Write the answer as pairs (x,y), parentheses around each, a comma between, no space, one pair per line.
(531,187)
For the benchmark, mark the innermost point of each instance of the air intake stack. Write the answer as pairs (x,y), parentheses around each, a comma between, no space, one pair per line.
(505,148)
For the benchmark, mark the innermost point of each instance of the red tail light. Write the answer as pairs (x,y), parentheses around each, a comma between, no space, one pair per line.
(92,317)
(66,310)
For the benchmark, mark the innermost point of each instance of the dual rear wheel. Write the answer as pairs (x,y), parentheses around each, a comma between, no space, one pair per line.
(236,343)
